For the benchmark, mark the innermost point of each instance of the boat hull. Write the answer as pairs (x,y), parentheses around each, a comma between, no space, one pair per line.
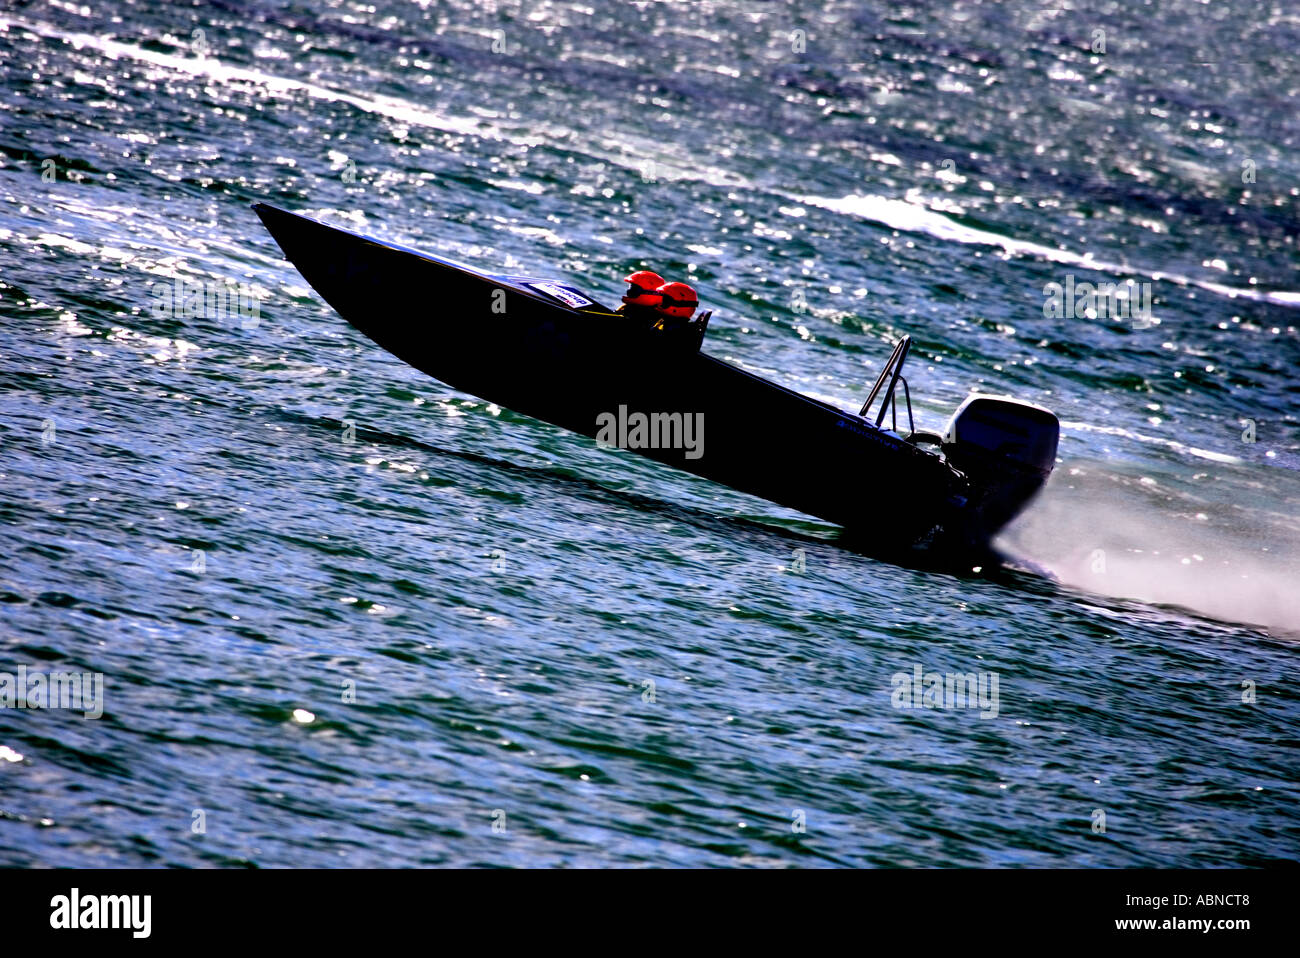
(497,338)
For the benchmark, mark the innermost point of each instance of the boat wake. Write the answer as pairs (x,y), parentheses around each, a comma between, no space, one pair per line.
(1131,537)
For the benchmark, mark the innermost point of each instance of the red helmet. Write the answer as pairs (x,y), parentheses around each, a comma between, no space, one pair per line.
(678,300)
(643,288)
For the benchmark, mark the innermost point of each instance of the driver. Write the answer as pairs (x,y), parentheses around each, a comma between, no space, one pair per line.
(676,306)
(643,297)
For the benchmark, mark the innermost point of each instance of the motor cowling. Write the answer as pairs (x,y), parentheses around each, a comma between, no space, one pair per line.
(991,433)
(1006,449)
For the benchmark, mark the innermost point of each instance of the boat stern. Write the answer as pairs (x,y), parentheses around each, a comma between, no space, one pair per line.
(1006,448)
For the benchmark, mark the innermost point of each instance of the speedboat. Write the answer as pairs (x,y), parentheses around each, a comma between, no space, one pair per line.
(542,347)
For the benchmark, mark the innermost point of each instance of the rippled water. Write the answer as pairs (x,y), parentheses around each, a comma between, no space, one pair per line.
(244,527)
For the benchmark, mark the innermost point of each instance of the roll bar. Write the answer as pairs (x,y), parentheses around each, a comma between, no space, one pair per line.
(893,371)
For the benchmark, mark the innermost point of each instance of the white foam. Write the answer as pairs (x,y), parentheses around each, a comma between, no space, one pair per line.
(214,69)
(913,216)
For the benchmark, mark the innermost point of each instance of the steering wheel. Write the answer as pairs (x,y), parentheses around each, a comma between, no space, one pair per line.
(928,438)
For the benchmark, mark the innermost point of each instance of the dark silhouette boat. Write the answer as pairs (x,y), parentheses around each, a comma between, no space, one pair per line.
(544,348)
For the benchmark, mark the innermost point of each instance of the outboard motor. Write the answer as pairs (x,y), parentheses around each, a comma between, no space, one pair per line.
(1006,448)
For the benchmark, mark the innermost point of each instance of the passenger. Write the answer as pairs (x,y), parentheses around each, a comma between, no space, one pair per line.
(642,297)
(677,303)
